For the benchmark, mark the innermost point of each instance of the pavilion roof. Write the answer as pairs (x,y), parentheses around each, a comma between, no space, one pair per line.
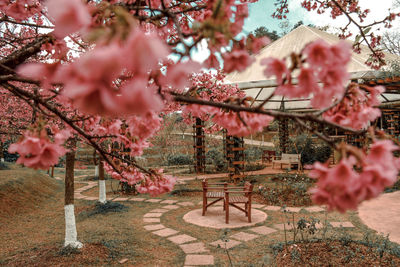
(253,82)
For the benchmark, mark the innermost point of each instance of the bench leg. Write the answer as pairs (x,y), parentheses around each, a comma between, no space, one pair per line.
(249,212)
(204,206)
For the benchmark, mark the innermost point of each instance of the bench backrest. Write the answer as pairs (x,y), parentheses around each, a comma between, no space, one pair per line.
(291,157)
(248,187)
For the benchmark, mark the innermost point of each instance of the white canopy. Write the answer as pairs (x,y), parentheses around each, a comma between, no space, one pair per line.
(255,84)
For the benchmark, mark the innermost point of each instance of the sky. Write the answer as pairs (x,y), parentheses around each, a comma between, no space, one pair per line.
(261,11)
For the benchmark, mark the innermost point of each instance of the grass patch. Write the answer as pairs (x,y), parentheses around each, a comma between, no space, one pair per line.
(108,207)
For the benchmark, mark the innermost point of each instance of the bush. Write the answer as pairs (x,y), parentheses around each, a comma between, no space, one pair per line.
(309,151)
(215,157)
(3,166)
(253,153)
(179,159)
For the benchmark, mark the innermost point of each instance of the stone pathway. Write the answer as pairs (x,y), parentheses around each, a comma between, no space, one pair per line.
(383,215)
(198,253)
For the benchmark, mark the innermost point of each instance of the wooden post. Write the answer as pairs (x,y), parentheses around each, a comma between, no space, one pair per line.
(52,171)
(227,207)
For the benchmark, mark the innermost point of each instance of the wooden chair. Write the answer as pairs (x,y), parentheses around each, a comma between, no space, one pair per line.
(231,199)
(213,191)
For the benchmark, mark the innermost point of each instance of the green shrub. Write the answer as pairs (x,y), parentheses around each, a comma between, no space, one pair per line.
(179,159)
(216,158)
(310,152)
(253,153)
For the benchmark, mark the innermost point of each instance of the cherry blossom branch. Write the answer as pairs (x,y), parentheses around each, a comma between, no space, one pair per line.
(274,113)
(6,19)
(15,90)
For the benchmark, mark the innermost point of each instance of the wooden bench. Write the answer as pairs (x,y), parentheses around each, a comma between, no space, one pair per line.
(239,195)
(288,159)
(213,191)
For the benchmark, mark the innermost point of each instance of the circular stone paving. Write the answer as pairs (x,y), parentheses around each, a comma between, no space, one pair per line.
(215,218)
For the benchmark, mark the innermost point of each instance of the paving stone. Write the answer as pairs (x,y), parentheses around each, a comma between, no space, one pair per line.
(194,248)
(262,230)
(153,200)
(242,236)
(280,226)
(257,206)
(169,201)
(152,227)
(293,209)
(230,244)
(314,209)
(156,214)
(123,261)
(92,198)
(137,199)
(151,220)
(165,232)
(171,207)
(159,210)
(121,199)
(180,239)
(342,224)
(185,204)
(199,260)
(272,208)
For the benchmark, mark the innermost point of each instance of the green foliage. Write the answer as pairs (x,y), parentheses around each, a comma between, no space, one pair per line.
(3,166)
(68,251)
(263,31)
(179,159)
(216,158)
(310,152)
(100,208)
(182,191)
(292,189)
(393,188)
(253,153)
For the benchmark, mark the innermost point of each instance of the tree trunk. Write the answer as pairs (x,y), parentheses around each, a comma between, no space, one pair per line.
(102,184)
(70,225)
(96,165)
(1,152)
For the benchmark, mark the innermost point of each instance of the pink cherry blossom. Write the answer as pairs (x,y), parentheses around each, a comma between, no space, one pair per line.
(236,60)
(143,52)
(234,125)
(318,53)
(178,75)
(69,16)
(336,186)
(342,187)
(37,153)
(275,67)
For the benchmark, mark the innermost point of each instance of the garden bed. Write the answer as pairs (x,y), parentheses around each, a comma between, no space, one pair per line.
(337,253)
(285,190)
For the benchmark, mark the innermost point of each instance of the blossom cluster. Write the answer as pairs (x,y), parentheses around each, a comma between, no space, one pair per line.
(353,180)
(37,151)
(324,63)
(357,108)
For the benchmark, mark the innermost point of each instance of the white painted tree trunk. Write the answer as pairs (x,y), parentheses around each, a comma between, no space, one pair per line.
(102,191)
(96,171)
(71,237)
(2,159)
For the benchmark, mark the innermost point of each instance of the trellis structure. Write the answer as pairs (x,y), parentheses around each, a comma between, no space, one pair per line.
(252,80)
(234,154)
(199,146)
